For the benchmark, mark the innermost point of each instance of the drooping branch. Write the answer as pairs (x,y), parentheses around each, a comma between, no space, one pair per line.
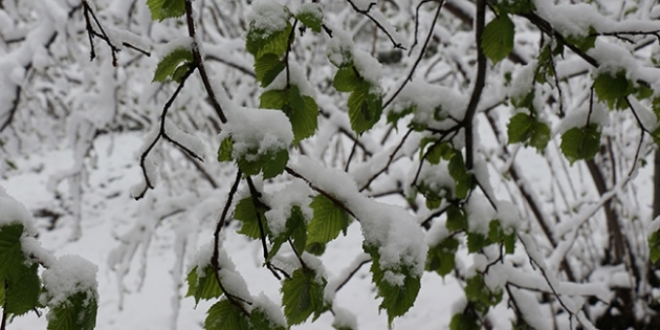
(468,120)
(198,63)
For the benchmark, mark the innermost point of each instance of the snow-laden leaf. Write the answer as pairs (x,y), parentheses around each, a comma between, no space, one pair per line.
(497,38)
(440,258)
(162,9)
(302,296)
(476,242)
(364,108)
(260,42)
(180,57)
(397,287)
(203,287)
(296,231)
(497,234)
(301,110)
(226,316)
(267,68)
(270,163)
(78,312)
(311,19)
(328,221)
(580,143)
(245,212)
(583,43)
(260,320)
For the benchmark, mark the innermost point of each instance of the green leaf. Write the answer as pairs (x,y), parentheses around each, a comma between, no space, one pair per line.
(439,151)
(520,128)
(476,242)
(226,316)
(273,99)
(463,179)
(311,20)
(613,89)
(456,219)
(584,43)
(205,287)
(162,9)
(464,321)
(580,143)
(364,108)
(180,57)
(246,214)
(656,107)
(274,163)
(347,79)
(328,221)
(397,297)
(259,42)
(524,127)
(654,246)
(315,248)
(11,254)
(541,135)
(259,320)
(303,113)
(267,68)
(78,312)
(302,296)
(440,258)
(23,293)
(476,291)
(515,6)
(656,135)
(497,38)
(225,150)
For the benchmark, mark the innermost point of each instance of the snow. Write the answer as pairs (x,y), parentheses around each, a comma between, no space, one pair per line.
(271,309)
(344,319)
(295,193)
(268,16)
(69,275)
(263,129)
(14,212)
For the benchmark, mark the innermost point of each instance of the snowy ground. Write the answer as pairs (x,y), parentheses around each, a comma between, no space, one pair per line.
(109,211)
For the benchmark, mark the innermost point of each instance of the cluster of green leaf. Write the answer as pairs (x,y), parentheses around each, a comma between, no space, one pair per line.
(480,299)
(302,292)
(252,162)
(21,287)
(434,151)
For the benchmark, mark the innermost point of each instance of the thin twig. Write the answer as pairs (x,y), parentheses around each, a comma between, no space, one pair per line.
(419,58)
